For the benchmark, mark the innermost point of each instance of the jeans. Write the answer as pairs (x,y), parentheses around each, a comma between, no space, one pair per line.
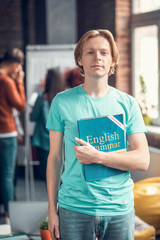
(42,156)
(8,153)
(79,226)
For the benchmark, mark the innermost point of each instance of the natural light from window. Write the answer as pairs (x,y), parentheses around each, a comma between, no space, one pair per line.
(146,69)
(141,6)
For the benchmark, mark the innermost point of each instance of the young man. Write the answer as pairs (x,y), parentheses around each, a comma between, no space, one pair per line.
(12,97)
(102,208)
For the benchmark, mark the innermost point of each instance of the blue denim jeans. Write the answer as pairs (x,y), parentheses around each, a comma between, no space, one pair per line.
(79,226)
(8,153)
(42,155)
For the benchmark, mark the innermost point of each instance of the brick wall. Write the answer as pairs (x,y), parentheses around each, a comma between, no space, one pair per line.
(93,14)
(113,15)
(123,39)
(31,23)
(18,28)
(14,25)
(10,25)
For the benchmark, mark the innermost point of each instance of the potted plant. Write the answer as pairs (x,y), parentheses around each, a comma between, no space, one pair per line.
(45,234)
(143,105)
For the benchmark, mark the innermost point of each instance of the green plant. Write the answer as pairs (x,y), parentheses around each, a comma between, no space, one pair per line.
(143,104)
(44,224)
(143,92)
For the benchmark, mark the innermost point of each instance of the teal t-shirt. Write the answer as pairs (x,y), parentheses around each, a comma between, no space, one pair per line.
(107,197)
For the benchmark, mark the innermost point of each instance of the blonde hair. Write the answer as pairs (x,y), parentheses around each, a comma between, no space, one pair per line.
(92,34)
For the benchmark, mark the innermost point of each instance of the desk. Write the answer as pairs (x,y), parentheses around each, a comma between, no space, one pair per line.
(36,238)
(5,230)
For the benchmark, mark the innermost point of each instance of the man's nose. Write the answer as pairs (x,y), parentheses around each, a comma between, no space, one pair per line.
(97,55)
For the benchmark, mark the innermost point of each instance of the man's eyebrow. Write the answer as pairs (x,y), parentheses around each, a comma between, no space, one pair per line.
(89,48)
(104,49)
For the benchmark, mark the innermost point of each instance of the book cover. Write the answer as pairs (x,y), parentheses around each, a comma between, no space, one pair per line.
(106,133)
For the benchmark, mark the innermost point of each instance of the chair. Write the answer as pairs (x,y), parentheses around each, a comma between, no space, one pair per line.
(147,201)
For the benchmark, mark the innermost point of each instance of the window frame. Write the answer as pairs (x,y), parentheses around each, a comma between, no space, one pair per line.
(142,20)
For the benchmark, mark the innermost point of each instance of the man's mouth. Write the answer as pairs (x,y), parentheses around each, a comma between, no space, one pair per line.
(97,66)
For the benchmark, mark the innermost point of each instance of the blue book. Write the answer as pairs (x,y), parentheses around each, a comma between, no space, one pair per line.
(106,134)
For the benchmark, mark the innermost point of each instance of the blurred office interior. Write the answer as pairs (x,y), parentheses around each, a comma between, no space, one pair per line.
(135,25)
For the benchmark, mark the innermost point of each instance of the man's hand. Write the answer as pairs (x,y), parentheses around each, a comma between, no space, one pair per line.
(19,75)
(53,226)
(85,152)
(20,139)
(16,72)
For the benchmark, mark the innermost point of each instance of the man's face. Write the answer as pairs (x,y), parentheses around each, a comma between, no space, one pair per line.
(14,69)
(96,57)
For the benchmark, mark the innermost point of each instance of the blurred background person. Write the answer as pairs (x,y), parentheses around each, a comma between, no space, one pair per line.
(20,141)
(73,77)
(12,97)
(54,83)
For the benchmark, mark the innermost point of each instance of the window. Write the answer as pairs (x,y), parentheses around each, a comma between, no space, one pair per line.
(146,59)
(141,6)
(146,67)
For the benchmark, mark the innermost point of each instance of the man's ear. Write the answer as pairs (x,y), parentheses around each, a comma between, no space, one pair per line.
(80,62)
(113,64)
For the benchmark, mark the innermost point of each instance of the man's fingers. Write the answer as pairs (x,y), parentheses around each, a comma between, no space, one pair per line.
(52,234)
(56,232)
(81,142)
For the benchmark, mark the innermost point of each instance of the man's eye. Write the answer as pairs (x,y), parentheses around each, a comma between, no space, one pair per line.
(90,52)
(104,53)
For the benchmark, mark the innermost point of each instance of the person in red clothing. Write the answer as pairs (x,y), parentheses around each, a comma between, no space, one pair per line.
(12,95)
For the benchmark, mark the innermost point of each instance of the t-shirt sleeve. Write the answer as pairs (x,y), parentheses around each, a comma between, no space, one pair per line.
(135,122)
(54,121)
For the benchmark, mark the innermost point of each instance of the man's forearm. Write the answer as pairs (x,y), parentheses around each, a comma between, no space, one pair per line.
(53,180)
(136,159)
(132,160)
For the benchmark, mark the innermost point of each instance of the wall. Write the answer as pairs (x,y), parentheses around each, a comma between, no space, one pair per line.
(113,15)
(61,21)
(17,24)
(47,21)
(93,14)
(123,39)
(154,167)
(10,25)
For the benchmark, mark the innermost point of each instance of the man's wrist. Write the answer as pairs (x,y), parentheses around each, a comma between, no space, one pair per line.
(97,157)
(19,81)
(100,156)
(52,207)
